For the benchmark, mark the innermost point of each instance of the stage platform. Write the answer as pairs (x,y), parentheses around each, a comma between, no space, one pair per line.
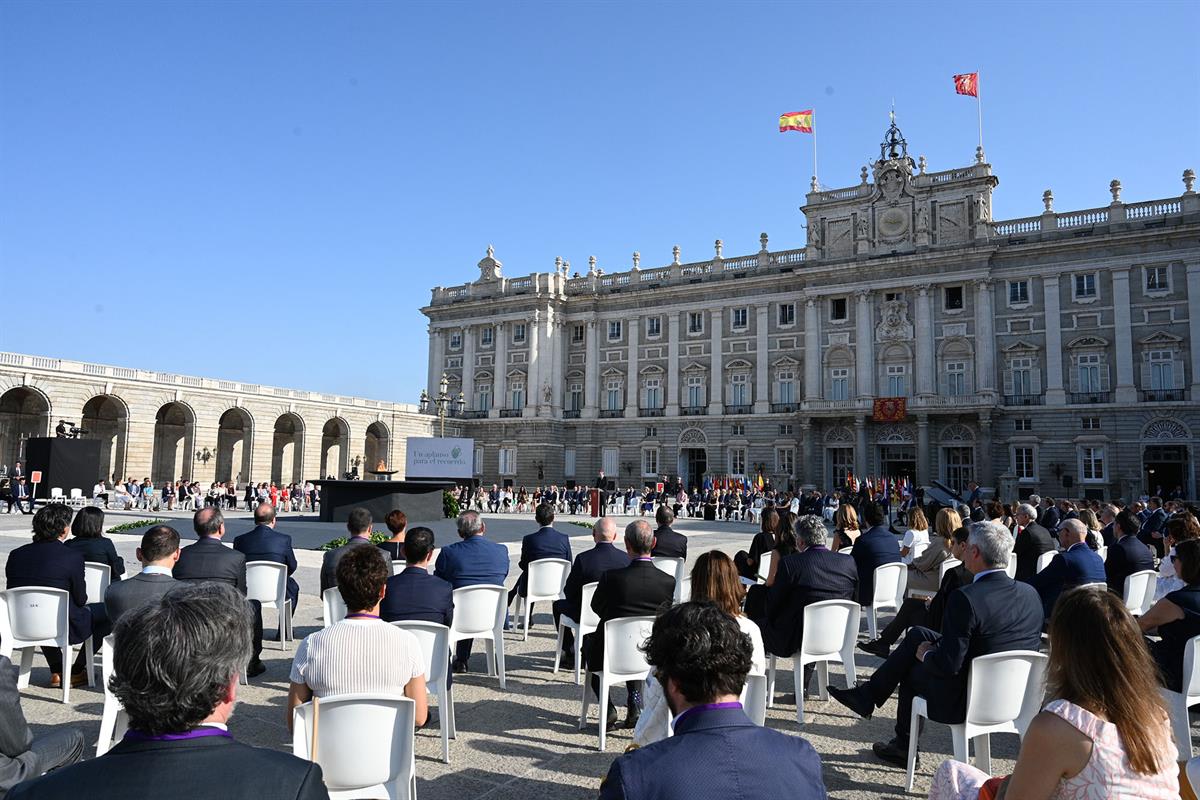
(419,499)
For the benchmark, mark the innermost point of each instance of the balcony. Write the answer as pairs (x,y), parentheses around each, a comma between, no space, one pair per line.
(570,413)
(651,412)
(509,413)
(1024,399)
(739,409)
(612,413)
(693,411)
(1162,395)
(784,408)
(474,414)
(1082,398)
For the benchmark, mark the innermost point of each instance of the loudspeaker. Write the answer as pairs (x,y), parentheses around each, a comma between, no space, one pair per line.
(1067,481)
(64,463)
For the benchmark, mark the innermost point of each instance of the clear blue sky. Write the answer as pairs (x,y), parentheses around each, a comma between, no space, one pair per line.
(267,191)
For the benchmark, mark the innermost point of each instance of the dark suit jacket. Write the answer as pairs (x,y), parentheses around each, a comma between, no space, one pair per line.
(1049,519)
(640,589)
(331,558)
(51,563)
(1127,556)
(209,560)
(472,562)
(415,594)
(875,547)
(954,579)
(802,579)
(1108,534)
(183,769)
(718,754)
(588,567)
(670,543)
(101,551)
(264,543)
(17,762)
(543,543)
(139,589)
(394,550)
(1031,542)
(1074,567)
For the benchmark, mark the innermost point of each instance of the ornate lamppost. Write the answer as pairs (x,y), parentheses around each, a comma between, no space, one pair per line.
(443,403)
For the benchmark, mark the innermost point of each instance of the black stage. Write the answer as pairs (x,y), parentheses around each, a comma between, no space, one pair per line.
(419,500)
(64,463)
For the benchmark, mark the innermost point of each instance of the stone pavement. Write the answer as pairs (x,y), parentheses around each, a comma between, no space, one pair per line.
(525,742)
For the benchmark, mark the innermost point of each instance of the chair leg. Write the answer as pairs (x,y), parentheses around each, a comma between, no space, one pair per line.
(822,680)
(26,668)
(585,701)
(850,667)
(450,712)
(500,659)
(958,736)
(983,753)
(444,721)
(914,728)
(798,681)
(771,682)
(528,613)
(489,649)
(578,652)
(603,707)
(90,662)
(558,647)
(66,674)
(871,623)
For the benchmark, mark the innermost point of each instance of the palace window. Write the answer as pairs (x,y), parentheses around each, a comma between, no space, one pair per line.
(609,458)
(785,460)
(1162,369)
(654,393)
(785,429)
(1022,424)
(651,432)
(477,464)
(577,334)
(1018,293)
(695,322)
(1091,461)
(455,341)
(896,383)
(737,429)
(737,461)
(614,330)
(787,387)
(953,298)
(837,309)
(956,378)
(508,461)
(1089,423)
(1024,463)
(739,390)
(650,462)
(653,327)
(839,385)
(740,320)
(574,396)
(1088,369)
(787,314)
(1083,286)
(695,391)
(485,337)
(1158,279)
(519,333)
(516,391)
(483,397)
(612,392)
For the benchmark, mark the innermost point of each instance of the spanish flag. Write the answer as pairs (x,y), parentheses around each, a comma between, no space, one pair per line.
(967,83)
(797,121)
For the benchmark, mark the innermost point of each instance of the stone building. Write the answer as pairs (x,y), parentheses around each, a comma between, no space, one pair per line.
(166,426)
(1059,351)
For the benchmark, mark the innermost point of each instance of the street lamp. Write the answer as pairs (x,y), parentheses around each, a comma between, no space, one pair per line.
(203,455)
(442,404)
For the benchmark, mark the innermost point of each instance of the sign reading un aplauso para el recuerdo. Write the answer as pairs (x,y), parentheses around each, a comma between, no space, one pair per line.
(439,458)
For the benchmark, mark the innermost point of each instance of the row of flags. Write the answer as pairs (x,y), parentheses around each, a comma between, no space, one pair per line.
(897,488)
(734,482)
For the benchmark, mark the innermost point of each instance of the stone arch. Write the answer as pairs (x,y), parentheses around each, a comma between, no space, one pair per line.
(839,356)
(1166,429)
(335,447)
(174,439)
(25,413)
(692,437)
(287,449)
(957,433)
(839,434)
(377,447)
(895,434)
(955,347)
(105,417)
(235,431)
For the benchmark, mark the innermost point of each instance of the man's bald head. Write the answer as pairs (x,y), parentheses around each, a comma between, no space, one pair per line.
(605,530)
(639,538)
(1072,531)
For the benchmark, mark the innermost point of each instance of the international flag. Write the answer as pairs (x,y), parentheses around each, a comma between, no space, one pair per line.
(967,84)
(797,121)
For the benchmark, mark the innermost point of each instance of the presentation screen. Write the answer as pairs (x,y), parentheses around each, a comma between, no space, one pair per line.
(430,457)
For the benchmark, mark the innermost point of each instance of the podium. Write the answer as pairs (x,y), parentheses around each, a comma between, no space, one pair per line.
(594,502)
(64,463)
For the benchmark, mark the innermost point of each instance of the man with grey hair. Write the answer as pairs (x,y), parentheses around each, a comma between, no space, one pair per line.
(177,663)
(1076,565)
(471,562)
(638,590)
(1031,541)
(992,614)
(588,567)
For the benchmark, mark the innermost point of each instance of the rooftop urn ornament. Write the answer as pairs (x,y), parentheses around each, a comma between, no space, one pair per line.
(489,267)
(1114,186)
(1189,180)
(558,264)
(591,265)
(717,245)
(675,254)
(637,259)
(979,154)
(762,239)
(813,183)
(921,164)
(1048,201)
(863,175)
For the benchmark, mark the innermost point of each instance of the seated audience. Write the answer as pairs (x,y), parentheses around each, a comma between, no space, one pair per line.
(763,542)
(1179,528)
(414,593)
(1031,541)
(471,562)
(668,542)
(24,756)
(916,538)
(588,567)
(158,555)
(264,543)
(545,542)
(358,525)
(1076,565)
(874,548)
(845,527)
(87,539)
(1176,616)
(924,573)
(1128,554)
(396,522)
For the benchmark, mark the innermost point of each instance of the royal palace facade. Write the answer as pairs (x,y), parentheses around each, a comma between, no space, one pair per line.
(1059,351)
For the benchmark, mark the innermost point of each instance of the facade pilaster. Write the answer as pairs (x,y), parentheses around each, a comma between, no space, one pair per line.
(673,364)
(591,372)
(808,472)
(633,326)
(557,348)
(1055,396)
(468,367)
(926,376)
(1193,300)
(762,385)
(864,346)
(1126,389)
(716,388)
(436,361)
(985,339)
(533,375)
(860,446)
(923,475)
(812,350)
(983,459)
(500,373)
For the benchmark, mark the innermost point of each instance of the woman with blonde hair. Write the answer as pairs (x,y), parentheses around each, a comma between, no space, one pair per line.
(845,527)
(924,573)
(916,538)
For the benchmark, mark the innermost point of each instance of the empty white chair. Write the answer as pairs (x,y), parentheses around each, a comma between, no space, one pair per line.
(1139,591)
(1044,559)
(56,495)
(335,606)
(96,577)
(364,744)
(830,631)
(76,499)
(1178,703)
(39,616)
(1004,692)
(544,581)
(113,721)
(588,622)
(891,580)
(623,661)
(266,582)
(479,614)
(435,646)
(673,567)
(764,565)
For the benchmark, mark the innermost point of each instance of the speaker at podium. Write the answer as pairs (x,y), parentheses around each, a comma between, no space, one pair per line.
(64,463)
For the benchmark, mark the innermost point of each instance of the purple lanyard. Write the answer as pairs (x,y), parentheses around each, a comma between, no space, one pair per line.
(705,707)
(361,615)
(196,733)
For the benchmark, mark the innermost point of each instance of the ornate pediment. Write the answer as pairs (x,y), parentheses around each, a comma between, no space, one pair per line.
(1088,341)
(1161,338)
(489,267)
(1021,347)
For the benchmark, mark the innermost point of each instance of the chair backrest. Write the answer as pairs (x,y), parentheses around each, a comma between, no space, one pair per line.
(362,739)
(1010,569)
(1139,591)
(76,494)
(829,626)
(754,698)
(685,589)
(764,563)
(1103,553)
(435,644)
(55,493)
(669,565)
(398,566)
(1005,687)
(335,606)
(547,577)
(623,638)
(946,566)
(1045,558)
(1191,670)
(890,582)
(266,581)
(96,577)
(106,661)
(475,609)
(587,617)
(38,615)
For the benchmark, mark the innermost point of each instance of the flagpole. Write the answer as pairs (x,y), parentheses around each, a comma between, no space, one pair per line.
(979,106)
(814,135)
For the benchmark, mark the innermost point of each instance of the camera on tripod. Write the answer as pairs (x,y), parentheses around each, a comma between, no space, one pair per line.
(68,430)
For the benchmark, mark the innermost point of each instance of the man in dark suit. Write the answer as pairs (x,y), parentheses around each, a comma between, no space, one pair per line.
(471,562)
(992,614)
(158,554)
(358,525)
(1049,516)
(545,542)
(1128,555)
(178,744)
(1108,521)
(1151,532)
(1076,565)
(22,496)
(716,752)
(1032,541)
(588,567)
(875,547)
(24,756)
(264,543)
(640,589)
(602,489)
(414,593)
(810,575)
(667,541)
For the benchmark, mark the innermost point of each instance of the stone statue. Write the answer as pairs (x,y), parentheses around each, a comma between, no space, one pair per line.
(814,236)
(923,218)
(981,209)
(862,227)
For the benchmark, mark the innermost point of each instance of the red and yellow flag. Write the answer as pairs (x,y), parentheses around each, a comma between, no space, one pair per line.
(797,121)
(967,84)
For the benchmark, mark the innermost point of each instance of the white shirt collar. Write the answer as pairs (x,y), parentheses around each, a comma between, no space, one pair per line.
(979,575)
(221,726)
(151,569)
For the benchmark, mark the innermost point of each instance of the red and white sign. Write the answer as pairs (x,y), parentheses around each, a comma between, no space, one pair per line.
(35,476)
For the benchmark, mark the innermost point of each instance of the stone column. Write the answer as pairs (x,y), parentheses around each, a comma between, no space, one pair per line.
(812,350)
(558,327)
(673,364)
(500,373)
(1126,388)
(926,374)
(533,374)
(922,449)
(762,371)
(436,361)
(860,447)
(808,472)
(633,325)
(1055,396)
(1193,296)
(716,376)
(468,368)
(591,380)
(983,458)
(864,346)
(985,339)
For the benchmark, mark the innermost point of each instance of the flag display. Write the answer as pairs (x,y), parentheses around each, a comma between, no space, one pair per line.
(889,409)
(797,121)
(967,84)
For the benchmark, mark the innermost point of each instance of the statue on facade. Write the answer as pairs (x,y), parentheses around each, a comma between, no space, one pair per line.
(923,218)
(894,325)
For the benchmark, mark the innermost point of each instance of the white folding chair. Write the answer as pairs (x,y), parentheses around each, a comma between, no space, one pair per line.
(335,606)
(39,616)
(1178,703)
(1004,692)
(56,495)
(623,661)
(685,590)
(479,614)
(673,567)
(1193,771)
(364,745)
(113,721)
(588,622)
(890,582)
(96,577)
(1139,591)
(946,566)
(266,582)
(754,698)
(1102,552)
(1010,569)
(830,631)
(76,499)
(398,566)
(764,565)
(435,646)
(1045,558)
(544,581)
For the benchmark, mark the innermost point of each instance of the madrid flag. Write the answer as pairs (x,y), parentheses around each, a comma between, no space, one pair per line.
(797,121)
(967,84)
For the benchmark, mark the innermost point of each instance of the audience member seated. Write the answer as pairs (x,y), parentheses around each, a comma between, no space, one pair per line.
(763,542)
(396,522)
(845,527)
(916,538)
(361,653)
(358,525)
(702,658)
(1105,732)
(264,543)
(874,548)
(668,542)
(87,539)
(1151,532)
(588,567)
(471,562)
(637,590)
(24,756)
(1176,616)
(992,614)
(1076,565)
(1179,528)
(924,573)
(1031,541)
(49,562)
(415,594)
(1128,554)
(179,700)
(545,542)
(158,554)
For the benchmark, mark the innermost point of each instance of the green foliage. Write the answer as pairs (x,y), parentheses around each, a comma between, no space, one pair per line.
(136,524)
(449,504)
(588,525)
(376,538)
